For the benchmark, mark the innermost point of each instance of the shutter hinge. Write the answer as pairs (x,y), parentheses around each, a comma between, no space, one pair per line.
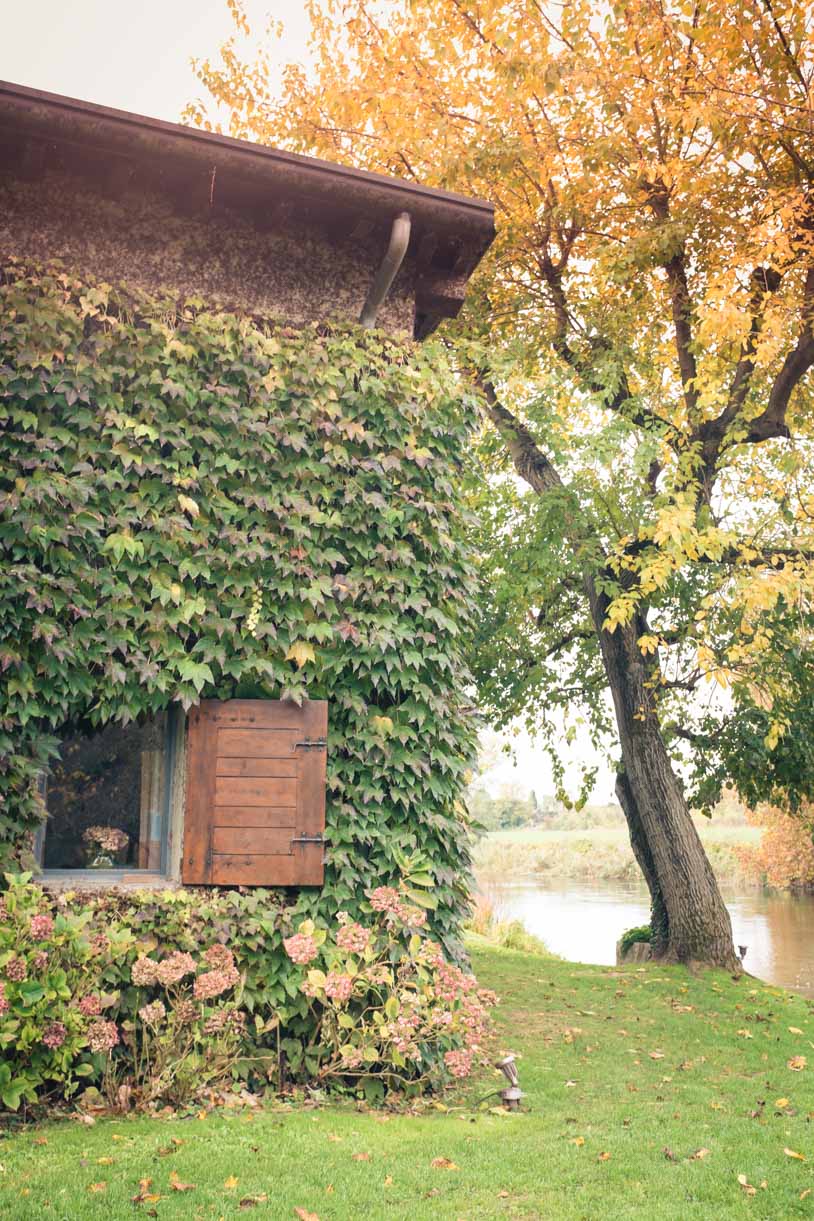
(308,839)
(312,744)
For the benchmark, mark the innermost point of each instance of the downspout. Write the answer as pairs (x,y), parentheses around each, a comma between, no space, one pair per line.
(392,261)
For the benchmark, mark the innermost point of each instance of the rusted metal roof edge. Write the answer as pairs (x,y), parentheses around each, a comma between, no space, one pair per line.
(478,210)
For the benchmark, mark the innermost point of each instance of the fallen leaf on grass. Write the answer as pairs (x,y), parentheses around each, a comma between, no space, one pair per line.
(805,1193)
(388,1180)
(668,1153)
(41,1140)
(104,1161)
(603,1157)
(578,1140)
(795,1030)
(253,1201)
(443,1163)
(781,1103)
(503,1195)
(177,1185)
(361,1157)
(796,1063)
(230,1183)
(570,1084)
(304,1215)
(746,1185)
(97,1187)
(745,1034)
(656,1055)
(145,1196)
(333,1137)
(699,1155)
(790,1153)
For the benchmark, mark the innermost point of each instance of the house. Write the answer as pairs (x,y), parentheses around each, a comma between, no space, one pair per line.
(225,790)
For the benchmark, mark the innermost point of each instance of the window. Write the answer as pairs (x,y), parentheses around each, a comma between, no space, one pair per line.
(108,799)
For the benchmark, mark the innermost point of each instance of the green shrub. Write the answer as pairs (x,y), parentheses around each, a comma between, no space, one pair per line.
(153,997)
(196,504)
(632,935)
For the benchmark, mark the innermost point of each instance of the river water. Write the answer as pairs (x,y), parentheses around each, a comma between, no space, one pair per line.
(582,922)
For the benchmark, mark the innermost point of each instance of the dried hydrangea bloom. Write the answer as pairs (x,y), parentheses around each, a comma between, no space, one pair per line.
(54,1034)
(40,961)
(102,1036)
(90,1006)
(16,969)
(215,983)
(173,968)
(41,926)
(301,948)
(152,1014)
(185,1012)
(219,956)
(144,971)
(4,1003)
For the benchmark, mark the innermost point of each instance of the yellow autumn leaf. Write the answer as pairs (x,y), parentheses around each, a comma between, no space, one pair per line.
(791,1153)
(382,725)
(781,1103)
(189,505)
(301,652)
(230,1183)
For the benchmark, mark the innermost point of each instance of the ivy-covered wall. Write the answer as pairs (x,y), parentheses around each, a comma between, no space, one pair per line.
(196,504)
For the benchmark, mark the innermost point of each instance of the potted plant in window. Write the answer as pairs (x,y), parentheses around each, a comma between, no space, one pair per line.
(105,847)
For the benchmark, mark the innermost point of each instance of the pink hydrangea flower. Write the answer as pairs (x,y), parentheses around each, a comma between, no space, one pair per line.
(385,899)
(102,1036)
(54,1034)
(459,1063)
(90,1006)
(41,926)
(40,960)
(338,986)
(100,943)
(4,1004)
(301,948)
(215,983)
(16,969)
(353,938)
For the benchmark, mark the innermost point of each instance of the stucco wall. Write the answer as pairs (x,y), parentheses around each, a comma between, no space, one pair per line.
(290,273)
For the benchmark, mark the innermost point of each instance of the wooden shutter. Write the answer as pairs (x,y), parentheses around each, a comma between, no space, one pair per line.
(255,799)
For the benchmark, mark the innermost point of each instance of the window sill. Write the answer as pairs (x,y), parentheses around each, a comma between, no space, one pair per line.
(105,879)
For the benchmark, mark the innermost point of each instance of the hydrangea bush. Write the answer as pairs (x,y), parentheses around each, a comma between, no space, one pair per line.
(141,996)
(386,1006)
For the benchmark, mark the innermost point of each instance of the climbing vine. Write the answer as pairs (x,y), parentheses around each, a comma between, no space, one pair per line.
(196,504)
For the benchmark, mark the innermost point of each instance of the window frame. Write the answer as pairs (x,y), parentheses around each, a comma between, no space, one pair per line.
(172,813)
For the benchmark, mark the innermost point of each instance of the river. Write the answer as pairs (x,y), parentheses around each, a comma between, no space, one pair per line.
(582,921)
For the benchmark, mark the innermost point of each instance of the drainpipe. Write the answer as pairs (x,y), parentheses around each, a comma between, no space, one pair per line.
(392,261)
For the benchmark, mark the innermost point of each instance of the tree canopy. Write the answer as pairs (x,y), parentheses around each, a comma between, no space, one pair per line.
(647,306)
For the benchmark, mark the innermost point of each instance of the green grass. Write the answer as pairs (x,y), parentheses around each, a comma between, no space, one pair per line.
(633,1062)
(710,832)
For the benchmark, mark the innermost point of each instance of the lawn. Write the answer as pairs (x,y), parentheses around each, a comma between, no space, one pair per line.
(649,1091)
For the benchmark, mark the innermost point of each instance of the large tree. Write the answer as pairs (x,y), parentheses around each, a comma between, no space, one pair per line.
(641,335)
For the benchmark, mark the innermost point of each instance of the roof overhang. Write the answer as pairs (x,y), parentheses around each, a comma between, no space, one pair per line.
(263,186)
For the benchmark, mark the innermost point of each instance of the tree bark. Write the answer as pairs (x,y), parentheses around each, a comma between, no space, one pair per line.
(689,917)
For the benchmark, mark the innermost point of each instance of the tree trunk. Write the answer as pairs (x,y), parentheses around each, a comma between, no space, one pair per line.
(689,917)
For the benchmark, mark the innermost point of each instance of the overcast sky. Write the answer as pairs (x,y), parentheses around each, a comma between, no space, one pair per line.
(136,56)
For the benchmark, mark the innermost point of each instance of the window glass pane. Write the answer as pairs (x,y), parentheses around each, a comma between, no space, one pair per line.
(106,797)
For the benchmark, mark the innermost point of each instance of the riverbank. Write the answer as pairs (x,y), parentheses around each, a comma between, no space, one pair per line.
(599,853)
(649,1093)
